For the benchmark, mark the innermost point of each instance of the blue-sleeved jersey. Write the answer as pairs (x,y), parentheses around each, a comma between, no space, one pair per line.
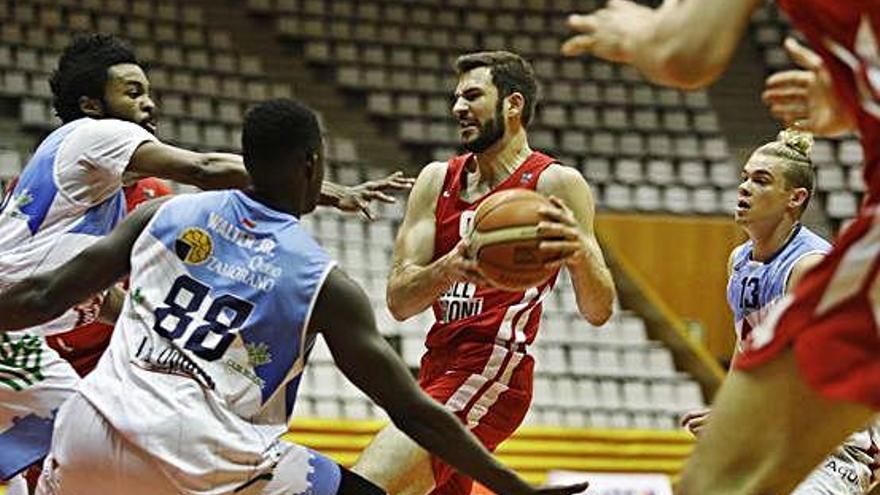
(754,286)
(203,369)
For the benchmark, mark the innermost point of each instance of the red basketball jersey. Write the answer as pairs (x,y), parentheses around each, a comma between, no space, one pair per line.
(844,33)
(470,313)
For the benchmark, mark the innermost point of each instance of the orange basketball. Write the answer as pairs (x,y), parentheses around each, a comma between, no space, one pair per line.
(504,239)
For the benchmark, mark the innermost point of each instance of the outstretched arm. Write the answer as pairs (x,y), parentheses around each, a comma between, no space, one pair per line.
(683,43)
(46,296)
(227,171)
(371,364)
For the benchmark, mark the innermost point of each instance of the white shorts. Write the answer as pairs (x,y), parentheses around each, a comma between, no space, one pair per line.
(88,456)
(841,473)
(34,382)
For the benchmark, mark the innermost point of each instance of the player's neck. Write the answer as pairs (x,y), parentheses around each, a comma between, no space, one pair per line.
(280,202)
(768,241)
(499,161)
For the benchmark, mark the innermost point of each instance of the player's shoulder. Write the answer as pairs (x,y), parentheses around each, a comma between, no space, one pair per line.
(108,125)
(558,178)
(431,178)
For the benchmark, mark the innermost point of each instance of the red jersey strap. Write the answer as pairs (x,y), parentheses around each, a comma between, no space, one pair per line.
(450,203)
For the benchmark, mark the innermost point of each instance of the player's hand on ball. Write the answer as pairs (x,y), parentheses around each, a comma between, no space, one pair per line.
(696,421)
(359,197)
(805,98)
(561,236)
(564,490)
(460,266)
(608,32)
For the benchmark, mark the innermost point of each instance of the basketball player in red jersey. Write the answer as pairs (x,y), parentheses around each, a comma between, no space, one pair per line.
(477,362)
(814,373)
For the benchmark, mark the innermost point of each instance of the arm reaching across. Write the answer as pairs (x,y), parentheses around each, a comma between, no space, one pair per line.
(371,364)
(683,43)
(227,171)
(45,296)
(358,198)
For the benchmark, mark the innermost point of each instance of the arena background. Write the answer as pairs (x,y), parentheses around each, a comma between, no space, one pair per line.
(663,165)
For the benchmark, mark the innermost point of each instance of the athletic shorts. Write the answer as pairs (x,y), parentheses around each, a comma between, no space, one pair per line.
(34,382)
(830,321)
(841,473)
(89,457)
(489,388)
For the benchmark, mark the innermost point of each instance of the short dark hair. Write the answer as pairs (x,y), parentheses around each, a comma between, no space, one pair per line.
(510,73)
(793,148)
(274,128)
(82,71)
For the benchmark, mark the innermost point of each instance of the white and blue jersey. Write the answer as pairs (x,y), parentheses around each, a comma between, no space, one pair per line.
(204,365)
(67,196)
(755,286)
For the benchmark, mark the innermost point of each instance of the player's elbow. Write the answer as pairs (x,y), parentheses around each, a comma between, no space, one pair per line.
(598,316)
(598,310)
(685,67)
(211,171)
(396,305)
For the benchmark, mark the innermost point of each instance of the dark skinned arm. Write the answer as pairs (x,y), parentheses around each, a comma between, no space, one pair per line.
(48,295)
(366,359)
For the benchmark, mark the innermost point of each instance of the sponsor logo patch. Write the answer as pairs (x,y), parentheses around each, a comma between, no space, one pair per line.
(194,246)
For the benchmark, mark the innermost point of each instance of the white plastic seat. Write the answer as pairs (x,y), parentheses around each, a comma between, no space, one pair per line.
(635,395)
(647,197)
(628,171)
(688,395)
(706,200)
(841,204)
(677,199)
(618,197)
(830,177)
(660,172)
(659,362)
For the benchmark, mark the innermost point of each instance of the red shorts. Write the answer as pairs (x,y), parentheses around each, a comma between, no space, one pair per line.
(488,387)
(830,321)
(83,346)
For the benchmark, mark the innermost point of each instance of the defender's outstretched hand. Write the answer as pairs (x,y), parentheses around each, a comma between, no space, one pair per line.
(805,98)
(359,197)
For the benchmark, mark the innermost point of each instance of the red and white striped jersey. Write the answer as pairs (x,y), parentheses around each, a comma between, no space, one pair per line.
(467,313)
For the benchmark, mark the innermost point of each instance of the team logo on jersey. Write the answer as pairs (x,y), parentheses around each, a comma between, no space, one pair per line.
(258,354)
(17,202)
(194,246)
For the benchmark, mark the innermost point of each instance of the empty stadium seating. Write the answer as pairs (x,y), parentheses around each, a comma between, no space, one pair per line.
(590,109)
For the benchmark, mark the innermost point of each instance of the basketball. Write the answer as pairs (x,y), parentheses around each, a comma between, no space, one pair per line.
(504,239)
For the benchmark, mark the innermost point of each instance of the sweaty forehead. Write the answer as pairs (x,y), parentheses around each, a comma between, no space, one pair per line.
(479,78)
(125,73)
